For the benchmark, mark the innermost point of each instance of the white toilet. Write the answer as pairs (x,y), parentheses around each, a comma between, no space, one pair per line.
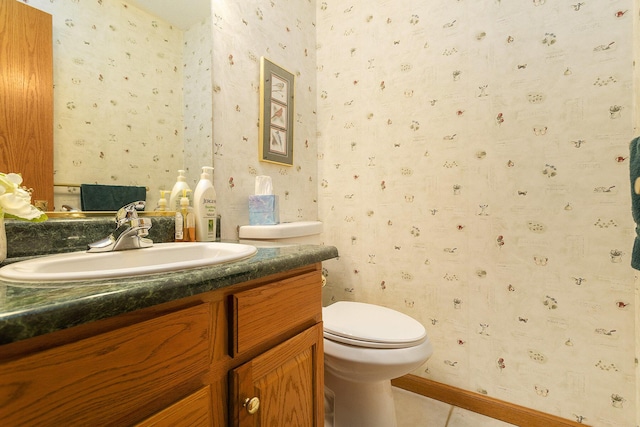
(365,346)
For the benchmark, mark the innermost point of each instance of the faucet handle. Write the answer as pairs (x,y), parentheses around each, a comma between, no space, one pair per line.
(130,232)
(128,212)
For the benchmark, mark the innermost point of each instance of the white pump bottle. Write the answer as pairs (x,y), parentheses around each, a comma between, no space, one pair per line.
(176,192)
(204,206)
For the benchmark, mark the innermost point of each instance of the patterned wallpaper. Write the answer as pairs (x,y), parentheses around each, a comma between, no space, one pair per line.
(118,112)
(473,173)
(469,160)
(284,32)
(198,101)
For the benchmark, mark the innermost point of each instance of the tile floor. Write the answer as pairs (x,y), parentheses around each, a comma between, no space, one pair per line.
(413,410)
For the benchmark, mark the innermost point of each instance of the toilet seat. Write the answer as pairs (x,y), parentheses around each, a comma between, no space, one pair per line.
(372,326)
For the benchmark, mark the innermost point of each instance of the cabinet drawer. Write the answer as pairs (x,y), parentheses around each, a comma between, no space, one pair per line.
(113,378)
(279,309)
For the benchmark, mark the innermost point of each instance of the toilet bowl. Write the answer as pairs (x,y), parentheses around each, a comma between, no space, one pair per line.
(365,345)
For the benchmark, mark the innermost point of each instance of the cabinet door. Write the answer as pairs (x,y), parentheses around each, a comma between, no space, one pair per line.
(26,97)
(283,386)
(115,378)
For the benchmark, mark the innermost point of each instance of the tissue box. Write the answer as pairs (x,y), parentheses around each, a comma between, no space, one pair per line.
(264,210)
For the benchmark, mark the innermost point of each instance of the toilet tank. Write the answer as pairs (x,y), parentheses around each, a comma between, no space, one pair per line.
(298,232)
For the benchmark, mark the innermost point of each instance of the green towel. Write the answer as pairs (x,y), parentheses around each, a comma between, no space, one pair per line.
(634,169)
(96,197)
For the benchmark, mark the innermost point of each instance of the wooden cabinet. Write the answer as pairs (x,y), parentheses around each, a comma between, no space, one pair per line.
(26,97)
(97,378)
(281,386)
(191,362)
(192,411)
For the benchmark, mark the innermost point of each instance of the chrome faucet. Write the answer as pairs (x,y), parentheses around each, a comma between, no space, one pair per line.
(131,231)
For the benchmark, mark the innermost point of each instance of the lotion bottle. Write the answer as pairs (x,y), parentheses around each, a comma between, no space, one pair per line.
(176,192)
(204,206)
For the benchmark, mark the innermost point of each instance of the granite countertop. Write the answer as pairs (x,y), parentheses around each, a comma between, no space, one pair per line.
(26,312)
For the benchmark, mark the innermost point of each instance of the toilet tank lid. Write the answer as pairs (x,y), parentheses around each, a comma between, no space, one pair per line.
(372,323)
(283,230)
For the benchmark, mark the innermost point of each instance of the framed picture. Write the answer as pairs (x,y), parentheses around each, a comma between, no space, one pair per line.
(276,113)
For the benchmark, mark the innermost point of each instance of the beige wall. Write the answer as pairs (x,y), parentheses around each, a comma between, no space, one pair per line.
(473,173)
(283,32)
(198,101)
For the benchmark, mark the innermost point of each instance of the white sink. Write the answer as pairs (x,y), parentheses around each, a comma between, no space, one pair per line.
(161,257)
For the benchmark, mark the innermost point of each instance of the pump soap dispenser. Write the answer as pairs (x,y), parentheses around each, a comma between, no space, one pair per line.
(176,192)
(162,203)
(184,219)
(204,206)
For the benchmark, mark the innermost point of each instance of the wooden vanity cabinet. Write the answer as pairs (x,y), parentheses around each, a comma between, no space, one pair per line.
(197,361)
(282,386)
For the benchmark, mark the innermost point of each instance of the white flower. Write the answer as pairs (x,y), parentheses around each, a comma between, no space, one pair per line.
(15,201)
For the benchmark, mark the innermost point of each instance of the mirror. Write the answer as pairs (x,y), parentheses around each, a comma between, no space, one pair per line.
(132,93)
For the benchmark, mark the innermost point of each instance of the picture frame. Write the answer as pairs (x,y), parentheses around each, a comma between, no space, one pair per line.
(276,113)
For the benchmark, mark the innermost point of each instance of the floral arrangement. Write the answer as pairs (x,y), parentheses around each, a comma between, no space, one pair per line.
(15,200)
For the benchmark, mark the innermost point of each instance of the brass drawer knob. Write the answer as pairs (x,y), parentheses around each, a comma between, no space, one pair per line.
(251,405)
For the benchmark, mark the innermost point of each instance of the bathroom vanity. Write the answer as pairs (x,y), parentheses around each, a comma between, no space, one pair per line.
(238,344)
